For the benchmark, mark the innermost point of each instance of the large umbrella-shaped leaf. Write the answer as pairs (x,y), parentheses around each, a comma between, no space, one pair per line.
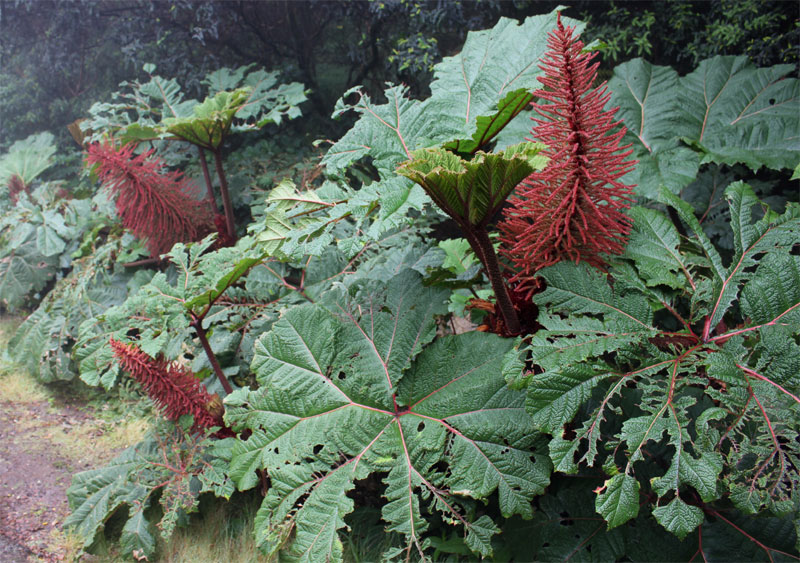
(211,120)
(473,96)
(354,391)
(23,272)
(743,114)
(157,108)
(727,111)
(28,158)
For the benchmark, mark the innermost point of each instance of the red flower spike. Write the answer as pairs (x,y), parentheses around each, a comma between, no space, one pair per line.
(161,207)
(573,209)
(175,390)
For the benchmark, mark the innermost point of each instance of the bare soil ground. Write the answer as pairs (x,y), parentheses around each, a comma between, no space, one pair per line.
(47,434)
(35,474)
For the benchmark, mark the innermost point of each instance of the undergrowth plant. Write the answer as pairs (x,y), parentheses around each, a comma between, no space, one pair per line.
(679,379)
(238,100)
(42,224)
(653,411)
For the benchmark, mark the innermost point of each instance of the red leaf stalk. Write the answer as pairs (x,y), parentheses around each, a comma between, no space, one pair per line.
(175,390)
(159,206)
(16,185)
(574,208)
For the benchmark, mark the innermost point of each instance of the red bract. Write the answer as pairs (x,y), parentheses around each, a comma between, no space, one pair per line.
(573,209)
(173,389)
(159,206)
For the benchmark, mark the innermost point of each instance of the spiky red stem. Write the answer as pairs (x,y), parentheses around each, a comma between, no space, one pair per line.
(574,208)
(174,389)
(226,196)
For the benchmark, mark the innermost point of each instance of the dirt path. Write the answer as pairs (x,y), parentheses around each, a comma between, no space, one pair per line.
(35,475)
(47,434)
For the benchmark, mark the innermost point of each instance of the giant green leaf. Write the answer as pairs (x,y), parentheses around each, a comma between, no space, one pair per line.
(43,342)
(653,246)
(648,106)
(28,158)
(647,103)
(211,120)
(773,295)
(237,100)
(726,111)
(743,114)
(166,461)
(474,95)
(94,495)
(353,390)
(696,399)
(23,272)
(750,239)
(480,90)
(581,289)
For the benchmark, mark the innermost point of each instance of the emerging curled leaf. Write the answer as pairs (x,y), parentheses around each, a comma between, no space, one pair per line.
(472,191)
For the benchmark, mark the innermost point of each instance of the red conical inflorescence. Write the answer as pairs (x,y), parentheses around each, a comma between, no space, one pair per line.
(159,206)
(173,389)
(574,208)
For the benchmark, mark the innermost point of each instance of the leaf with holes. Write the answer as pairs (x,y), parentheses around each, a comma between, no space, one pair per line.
(356,389)
(652,372)
(727,111)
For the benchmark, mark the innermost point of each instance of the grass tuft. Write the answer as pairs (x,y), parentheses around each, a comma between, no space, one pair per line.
(221,532)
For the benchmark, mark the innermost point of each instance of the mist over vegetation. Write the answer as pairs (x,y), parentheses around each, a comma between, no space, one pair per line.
(405,279)
(57,58)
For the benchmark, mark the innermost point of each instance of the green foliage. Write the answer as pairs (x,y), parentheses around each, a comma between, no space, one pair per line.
(667,384)
(234,294)
(28,158)
(38,236)
(352,388)
(474,95)
(43,342)
(159,480)
(726,112)
(623,34)
(680,379)
(764,31)
(160,314)
(157,109)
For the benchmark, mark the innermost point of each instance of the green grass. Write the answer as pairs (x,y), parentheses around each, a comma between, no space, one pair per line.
(15,385)
(223,531)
